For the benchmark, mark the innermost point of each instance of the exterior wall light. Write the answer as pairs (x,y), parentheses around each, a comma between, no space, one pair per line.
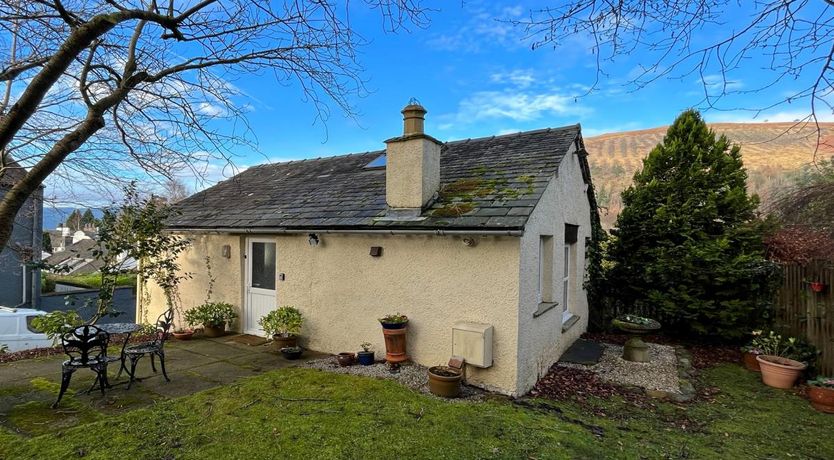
(471,242)
(313,239)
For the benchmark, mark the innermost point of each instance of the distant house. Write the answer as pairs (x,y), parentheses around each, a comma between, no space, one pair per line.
(63,237)
(78,258)
(459,236)
(19,281)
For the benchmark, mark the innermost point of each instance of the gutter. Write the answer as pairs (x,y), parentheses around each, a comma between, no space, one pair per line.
(283,230)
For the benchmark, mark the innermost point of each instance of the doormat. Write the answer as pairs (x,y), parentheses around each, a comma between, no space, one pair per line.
(246,339)
(583,352)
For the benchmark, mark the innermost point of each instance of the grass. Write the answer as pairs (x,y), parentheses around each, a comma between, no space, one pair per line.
(300,413)
(89,281)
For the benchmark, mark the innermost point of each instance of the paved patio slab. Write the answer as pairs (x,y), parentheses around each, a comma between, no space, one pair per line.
(28,387)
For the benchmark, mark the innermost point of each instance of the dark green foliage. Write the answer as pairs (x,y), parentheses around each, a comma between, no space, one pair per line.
(88,218)
(688,245)
(74,220)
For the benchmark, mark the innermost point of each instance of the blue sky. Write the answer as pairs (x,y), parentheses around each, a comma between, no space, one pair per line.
(479,77)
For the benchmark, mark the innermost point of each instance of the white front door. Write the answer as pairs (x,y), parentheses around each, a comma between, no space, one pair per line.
(260,283)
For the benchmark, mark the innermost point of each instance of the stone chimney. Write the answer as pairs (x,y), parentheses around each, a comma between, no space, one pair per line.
(412,170)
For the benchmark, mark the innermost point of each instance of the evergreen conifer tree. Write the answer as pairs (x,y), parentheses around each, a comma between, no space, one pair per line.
(688,247)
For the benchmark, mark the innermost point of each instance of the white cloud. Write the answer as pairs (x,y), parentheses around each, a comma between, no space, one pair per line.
(717,82)
(485,27)
(519,77)
(212,110)
(516,105)
(503,131)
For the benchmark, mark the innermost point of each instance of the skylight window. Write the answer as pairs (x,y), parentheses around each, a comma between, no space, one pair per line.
(378,162)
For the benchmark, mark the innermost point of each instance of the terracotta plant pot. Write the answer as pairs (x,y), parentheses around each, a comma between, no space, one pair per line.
(284,341)
(749,361)
(395,344)
(214,331)
(365,358)
(345,359)
(444,381)
(778,372)
(817,286)
(822,399)
(183,335)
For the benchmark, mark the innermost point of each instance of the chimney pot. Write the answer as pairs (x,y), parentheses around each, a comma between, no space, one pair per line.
(414,115)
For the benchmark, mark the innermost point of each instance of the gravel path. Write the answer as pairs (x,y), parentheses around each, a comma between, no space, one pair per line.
(660,373)
(411,375)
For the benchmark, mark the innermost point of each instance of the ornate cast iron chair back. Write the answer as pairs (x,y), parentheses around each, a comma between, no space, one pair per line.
(163,327)
(85,345)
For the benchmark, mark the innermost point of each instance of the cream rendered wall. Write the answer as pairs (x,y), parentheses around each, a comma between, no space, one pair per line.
(435,280)
(228,274)
(342,290)
(540,339)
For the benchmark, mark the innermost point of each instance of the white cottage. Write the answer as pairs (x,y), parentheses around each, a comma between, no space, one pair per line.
(491,231)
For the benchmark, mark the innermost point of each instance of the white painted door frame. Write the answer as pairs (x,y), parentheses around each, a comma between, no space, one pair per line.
(257,301)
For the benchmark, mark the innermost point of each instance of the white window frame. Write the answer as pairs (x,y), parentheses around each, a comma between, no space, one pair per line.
(545,275)
(567,266)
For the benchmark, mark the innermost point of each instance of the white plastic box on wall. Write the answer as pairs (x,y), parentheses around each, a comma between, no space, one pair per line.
(473,342)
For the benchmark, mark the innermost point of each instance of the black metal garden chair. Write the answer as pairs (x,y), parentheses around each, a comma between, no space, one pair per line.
(86,347)
(156,347)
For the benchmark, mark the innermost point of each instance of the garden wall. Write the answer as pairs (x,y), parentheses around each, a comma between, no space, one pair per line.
(800,311)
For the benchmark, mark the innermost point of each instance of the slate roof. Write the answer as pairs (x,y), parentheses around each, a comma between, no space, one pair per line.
(12,174)
(487,183)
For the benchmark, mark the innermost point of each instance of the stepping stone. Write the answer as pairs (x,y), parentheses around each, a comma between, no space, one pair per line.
(585,352)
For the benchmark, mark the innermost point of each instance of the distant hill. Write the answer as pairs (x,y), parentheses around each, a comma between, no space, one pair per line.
(52,216)
(771,153)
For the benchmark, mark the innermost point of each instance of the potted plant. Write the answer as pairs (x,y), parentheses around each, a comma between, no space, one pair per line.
(779,361)
(213,316)
(750,351)
(283,324)
(292,352)
(444,381)
(821,394)
(345,358)
(366,356)
(183,334)
(394,328)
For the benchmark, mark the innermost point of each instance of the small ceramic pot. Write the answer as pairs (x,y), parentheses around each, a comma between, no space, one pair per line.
(778,372)
(183,335)
(822,399)
(292,353)
(345,359)
(444,381)
(214,331)
(365,358)
(284,341)
(750,362)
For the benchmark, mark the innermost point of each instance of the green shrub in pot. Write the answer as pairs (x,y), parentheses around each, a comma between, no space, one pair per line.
(283,324)
(213,316)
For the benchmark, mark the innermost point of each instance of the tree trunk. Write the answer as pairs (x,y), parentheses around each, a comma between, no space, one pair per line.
(14,199)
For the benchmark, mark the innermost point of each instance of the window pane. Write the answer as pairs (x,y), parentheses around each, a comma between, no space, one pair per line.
(263,265)
(566,270)
(565,295)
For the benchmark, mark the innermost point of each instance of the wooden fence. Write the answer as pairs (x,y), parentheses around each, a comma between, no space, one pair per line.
(800,311)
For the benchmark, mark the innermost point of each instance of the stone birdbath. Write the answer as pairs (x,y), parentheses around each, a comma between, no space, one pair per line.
(635,348)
